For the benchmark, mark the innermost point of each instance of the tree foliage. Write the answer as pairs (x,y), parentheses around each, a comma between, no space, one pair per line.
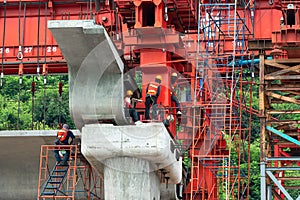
(44,109)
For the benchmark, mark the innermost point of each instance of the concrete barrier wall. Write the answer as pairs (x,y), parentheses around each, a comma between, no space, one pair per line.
(19,162)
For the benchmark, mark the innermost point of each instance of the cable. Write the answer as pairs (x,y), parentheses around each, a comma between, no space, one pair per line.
(45,34)
(19,107)
(33,89)
(45,63)
(91,9)
(19,22)
(24,22)
(38,42)
(3,43)
(45,99)
(19,54)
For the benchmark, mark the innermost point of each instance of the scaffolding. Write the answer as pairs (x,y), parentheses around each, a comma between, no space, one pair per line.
(279,108)
(220,146)
(77,180)
(214,131)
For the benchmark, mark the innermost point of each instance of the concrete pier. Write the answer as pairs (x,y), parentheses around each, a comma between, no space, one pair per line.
(135,160)
(131,178)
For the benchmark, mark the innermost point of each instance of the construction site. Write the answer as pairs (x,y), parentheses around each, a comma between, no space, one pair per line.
(237,71)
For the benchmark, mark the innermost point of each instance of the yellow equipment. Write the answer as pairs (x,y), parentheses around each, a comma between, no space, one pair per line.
(129,93)
(159,77)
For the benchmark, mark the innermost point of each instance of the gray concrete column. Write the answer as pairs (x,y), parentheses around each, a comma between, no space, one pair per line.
(130,178)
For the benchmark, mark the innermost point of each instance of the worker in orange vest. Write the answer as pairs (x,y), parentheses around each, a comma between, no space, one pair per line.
(174,98)
(62,138)
(152,93)
(128,107)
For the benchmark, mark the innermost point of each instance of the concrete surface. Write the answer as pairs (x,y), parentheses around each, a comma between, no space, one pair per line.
(19,164)
(95,71)
(130,179)
(133,157)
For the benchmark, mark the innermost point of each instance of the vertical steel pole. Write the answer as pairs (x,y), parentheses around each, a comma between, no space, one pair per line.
(262,113)
(269,194)
(263,184)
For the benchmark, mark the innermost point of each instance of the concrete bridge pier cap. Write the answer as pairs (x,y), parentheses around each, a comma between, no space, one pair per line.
(136,161)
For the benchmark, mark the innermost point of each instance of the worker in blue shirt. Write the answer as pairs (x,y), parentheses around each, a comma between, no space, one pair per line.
(173,92)
(62,138)
(152,93)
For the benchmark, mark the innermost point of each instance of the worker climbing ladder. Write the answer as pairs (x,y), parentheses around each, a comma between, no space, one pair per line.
(60,181)
(77,180)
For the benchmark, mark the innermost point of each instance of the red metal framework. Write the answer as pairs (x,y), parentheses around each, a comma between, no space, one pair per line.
(76,181)
(27,47)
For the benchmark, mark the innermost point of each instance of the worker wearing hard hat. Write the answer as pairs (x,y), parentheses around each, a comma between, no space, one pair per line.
(62,138)
(174,78)
(132,111)
(152,93)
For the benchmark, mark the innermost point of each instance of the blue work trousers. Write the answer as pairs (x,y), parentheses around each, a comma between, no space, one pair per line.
(133,113)
(65,158)
(175,99)
(150,100)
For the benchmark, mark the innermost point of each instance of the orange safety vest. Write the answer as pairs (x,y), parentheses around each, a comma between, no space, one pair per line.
(62,135)
(152,88)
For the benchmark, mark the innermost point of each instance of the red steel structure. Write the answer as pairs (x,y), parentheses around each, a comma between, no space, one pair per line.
(78,180)
(214,45)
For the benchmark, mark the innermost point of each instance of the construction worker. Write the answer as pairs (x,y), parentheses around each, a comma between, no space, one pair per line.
(132,111)
(174,98)
(152,93)
(62,138)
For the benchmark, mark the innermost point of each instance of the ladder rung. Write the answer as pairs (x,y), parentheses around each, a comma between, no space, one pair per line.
(54,182)
(51,187)
(48,193)
(56,176)
(61,167)
(60,170)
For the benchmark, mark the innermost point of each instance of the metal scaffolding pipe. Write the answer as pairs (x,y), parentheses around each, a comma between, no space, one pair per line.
(283,135)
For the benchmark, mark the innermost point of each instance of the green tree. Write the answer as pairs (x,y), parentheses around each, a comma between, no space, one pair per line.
(47,108)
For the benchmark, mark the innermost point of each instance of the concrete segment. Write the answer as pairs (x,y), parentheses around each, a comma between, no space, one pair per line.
(95,71)
(148,144)
(131,156)
(19,162)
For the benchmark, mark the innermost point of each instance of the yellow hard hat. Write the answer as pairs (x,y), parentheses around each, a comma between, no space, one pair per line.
(158,77)
(129,92)
(174,74)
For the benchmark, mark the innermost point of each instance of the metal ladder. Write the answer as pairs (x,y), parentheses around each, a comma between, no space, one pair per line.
(60,182)
(55,181)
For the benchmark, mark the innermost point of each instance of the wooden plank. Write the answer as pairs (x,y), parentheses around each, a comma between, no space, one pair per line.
(294,93)
(283,61)
(283,111)
(262,108)
(275,64)
(288,77)
(277,88)
(284,98)
(285,85)
(286,70)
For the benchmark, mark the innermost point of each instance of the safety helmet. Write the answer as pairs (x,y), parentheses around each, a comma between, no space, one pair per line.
(158,77)
(129,92)
(174,74)
(66,126)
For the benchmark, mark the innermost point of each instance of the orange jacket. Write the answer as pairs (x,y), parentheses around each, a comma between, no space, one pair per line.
(152,88)
(62,135)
